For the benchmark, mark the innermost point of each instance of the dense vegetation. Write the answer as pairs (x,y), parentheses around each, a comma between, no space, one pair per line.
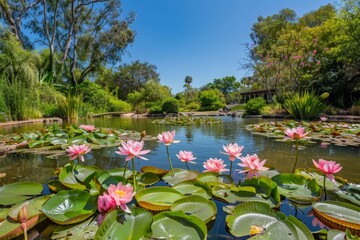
(68,65)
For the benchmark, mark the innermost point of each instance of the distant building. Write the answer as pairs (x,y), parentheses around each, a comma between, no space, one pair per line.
(264,93)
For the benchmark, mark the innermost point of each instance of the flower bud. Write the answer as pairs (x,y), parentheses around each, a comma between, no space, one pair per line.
(23,214)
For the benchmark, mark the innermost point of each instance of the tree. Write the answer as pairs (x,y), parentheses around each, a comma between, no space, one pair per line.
(81,35)
(211,99)
(190,94)
(130,77)
(225,85)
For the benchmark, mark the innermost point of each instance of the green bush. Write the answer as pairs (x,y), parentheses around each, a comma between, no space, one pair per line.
(254,106)
(193,106)
(304,106)
(116,105)
(156,110)
(211,100)
(140,108)
(170,105)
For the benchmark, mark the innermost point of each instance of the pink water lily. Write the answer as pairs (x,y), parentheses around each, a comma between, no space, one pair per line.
(186,156)
(252,165)
(328,168)
(295,133)
(233,150)
(121,194)
(323,119)
(88,128)
(167,138)
(132,149)
(78,151)
(106,203)
(215,165)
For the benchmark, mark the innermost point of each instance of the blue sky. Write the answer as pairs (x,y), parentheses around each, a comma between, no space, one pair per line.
(199,38)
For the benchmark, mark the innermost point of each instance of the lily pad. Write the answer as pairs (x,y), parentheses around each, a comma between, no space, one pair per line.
(180,175)
(196,206)
(123,226)
(177,225)
(297,188)
(33,207)
(194,188)
(68,207)
(148,178)
(157,198)
(83,230)
(18,192)
(338,215)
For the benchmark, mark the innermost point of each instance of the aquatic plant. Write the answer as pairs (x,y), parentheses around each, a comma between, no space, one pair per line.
(187,121)
(168,138)
(94,203)
(233,151)
(328,168)
(186,157)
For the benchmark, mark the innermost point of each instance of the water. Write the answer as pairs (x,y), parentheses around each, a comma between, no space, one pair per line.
(205,142)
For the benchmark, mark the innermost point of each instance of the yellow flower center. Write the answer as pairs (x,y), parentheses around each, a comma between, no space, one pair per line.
(120,193)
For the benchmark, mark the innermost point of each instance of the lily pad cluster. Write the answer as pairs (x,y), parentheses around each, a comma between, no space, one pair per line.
(54,139)
(188,121)
(178,204)
(340,134)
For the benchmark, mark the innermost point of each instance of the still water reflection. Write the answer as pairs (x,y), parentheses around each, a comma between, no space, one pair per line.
(204,142)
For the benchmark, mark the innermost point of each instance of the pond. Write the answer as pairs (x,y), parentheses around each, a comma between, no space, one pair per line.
(205,142)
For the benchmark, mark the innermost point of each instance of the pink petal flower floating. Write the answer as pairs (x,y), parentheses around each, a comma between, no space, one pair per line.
(323,119)
(106,203)
(252,165)
(215,165)
(233,150)
(121,194)
(167,138)
(295,133)
(88,128)
(78,151)
(132,149)
(328,168)
(186,156)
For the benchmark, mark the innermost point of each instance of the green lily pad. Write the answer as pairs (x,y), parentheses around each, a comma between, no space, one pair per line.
(123,226)
(338,215)
(192,187)
(249,214)
(177,225)
(180,175)
(68,207)
(196,206)
(148,178)
(82,230)
(295,187)
(157,198)
(33,207)
(18,192)
(67,178)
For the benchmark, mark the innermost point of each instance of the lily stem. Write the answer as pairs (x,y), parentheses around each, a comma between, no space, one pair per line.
(126,164)
(325,187)
(231,163)
(134,176)
(168,155)
(187,166)
(297,155)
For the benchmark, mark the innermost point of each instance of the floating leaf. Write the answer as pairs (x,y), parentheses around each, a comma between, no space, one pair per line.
(148,178)
(157,198)
(68,207)
(297,188)
(83,230)
(33,207)
(194,188)
(152,169)
(67,178)
(196,206)
(17,192)
(338,215)
(180,175)
(249,214)
(123,226)
(177,225)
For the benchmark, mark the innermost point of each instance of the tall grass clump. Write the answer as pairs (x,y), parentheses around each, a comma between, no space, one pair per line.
(69,106)
(304,106)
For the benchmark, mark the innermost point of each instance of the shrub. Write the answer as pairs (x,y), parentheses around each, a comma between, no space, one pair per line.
(170,105)
(193,106)
(156,110)
(140,108)
(69,107)
(211,100)
(116,105)
(306,106)
(254,106)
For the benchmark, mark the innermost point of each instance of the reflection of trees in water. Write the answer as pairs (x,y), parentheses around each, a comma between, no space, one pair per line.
(27,167)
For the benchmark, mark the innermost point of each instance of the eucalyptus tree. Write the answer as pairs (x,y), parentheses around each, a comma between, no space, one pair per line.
(81,35)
